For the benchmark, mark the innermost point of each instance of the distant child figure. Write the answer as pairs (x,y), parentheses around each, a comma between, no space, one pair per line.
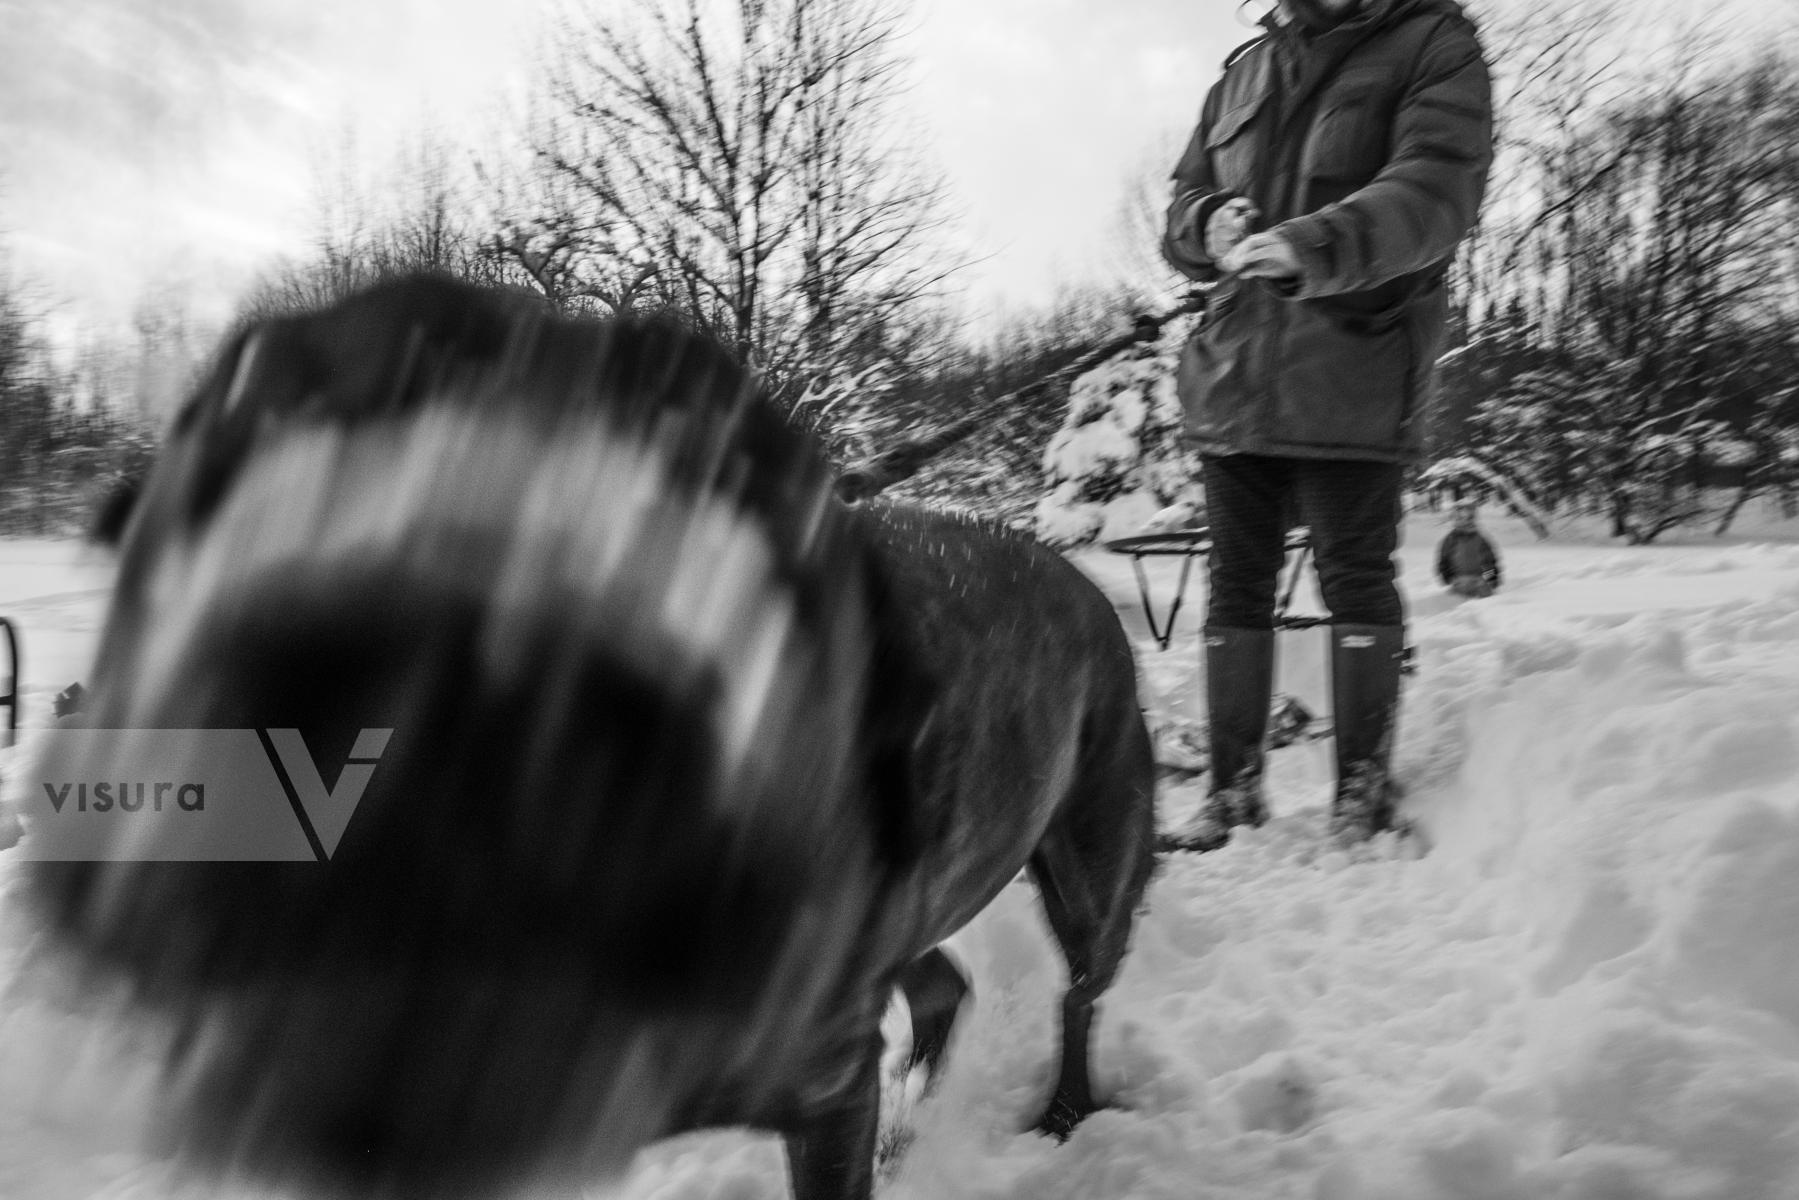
(1466,561)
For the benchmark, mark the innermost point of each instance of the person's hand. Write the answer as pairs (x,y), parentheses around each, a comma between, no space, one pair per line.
(1228,225)
(1262,256)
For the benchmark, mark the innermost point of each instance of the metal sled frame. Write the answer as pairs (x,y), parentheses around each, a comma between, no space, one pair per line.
(9,699)
(1189,544)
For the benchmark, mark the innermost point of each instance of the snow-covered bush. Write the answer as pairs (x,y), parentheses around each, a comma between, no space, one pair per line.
(1587,439)
(1118,461)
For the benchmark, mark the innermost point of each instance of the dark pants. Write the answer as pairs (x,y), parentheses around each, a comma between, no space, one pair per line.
(1353,511)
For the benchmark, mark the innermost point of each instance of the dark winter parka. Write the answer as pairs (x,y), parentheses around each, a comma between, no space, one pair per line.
(1367,146)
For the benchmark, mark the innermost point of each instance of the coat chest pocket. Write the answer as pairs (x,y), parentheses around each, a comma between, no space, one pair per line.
(1350,138)
(1231,144)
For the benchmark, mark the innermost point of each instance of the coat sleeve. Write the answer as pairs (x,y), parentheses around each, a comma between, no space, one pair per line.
(1425,199)
(1491,574)
(1197,195)
(1445,570)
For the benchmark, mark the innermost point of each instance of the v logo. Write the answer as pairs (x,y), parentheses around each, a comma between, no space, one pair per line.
(325,813)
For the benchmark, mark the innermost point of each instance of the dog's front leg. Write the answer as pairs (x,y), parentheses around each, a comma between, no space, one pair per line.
(831,1152)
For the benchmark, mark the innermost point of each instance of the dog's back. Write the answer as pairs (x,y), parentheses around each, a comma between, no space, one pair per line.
(1036,713)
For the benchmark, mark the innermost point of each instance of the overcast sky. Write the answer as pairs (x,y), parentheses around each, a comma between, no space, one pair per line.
(165,147)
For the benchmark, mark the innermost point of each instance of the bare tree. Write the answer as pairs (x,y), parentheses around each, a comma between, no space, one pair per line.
(1658,287)
(1135,240)
(1555,69)
(735,160)
(416,215)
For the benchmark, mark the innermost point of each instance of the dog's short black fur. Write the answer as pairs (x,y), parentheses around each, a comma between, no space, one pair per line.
(691,764)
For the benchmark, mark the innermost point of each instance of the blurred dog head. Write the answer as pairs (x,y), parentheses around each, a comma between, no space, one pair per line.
(630,818)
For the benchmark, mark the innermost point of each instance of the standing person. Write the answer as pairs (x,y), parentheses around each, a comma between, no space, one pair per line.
(1466,561)
(1337,164)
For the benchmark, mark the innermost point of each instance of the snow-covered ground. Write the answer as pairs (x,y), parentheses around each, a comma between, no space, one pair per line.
(1581,982)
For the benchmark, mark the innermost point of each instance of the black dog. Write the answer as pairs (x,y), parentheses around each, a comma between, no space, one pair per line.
(691,765)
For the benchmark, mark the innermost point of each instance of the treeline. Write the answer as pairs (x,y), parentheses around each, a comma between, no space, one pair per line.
(59,450)
(1626,310)
(1631,300)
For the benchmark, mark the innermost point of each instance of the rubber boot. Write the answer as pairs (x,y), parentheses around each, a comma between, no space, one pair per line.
(1366,663)
(1239,686)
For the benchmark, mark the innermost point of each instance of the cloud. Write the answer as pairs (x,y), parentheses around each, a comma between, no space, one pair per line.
(130,119)
(1044,112)
(150,140)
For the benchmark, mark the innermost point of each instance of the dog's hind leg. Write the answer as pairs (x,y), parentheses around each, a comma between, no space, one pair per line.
(1091,869)
(935,987)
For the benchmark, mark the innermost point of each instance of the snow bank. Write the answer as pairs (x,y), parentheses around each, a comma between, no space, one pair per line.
(1579,983)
